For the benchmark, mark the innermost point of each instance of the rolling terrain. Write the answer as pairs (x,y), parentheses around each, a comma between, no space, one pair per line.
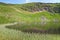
(30,21)
(31,11)
(30,14)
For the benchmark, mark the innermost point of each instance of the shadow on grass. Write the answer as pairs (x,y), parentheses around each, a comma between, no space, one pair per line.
(27,29)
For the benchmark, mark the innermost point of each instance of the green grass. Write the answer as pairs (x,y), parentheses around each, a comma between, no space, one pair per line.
(26,20)
(9,14)
(10,34)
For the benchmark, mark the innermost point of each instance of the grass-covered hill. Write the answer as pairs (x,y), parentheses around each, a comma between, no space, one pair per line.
(30,17)
(29,12)
(36,7)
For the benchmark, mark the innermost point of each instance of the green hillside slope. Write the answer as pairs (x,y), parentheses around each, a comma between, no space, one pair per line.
(29,12)
(30,21)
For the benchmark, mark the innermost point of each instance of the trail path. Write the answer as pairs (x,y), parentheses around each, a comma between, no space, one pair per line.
(16,9)
(3,25)
(20,11)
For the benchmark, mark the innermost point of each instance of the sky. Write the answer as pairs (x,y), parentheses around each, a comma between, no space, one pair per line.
(28,1)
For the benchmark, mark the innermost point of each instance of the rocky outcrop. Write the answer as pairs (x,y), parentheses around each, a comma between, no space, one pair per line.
(33,7)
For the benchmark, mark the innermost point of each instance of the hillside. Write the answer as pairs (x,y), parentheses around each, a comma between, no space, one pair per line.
(30,21)
(38,7)
(30,12)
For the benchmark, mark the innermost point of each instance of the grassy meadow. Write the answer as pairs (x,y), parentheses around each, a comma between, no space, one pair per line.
(10,34)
